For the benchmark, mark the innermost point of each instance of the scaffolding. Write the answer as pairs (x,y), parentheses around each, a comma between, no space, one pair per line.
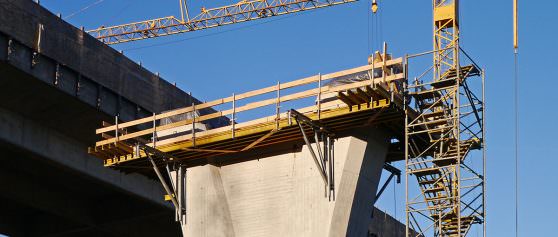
(341,101)
(447,136)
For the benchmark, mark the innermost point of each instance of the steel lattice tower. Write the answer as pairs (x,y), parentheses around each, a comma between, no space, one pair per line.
(444,126)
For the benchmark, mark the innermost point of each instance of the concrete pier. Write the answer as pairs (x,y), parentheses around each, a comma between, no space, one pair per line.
(284,194)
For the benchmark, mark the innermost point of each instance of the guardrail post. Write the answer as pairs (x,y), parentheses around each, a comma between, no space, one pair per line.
(154,130)
(233,114)
(319,96)
(193,124)
(116,130)
(278,106)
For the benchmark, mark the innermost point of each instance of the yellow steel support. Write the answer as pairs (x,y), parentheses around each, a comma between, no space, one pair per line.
(438,141)
(242,11)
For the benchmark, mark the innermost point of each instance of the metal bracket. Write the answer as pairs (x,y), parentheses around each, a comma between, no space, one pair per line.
(37,46)
(394,172)
(326,160)
(57,75)
(176,191)
(11,49)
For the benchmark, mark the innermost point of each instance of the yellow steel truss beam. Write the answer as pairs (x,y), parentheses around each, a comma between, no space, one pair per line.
(208,18)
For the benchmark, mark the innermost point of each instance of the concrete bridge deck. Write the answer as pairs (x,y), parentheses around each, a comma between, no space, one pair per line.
(53,95)
(54,91)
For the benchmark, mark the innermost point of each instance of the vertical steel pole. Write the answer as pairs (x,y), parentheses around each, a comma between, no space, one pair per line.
(233,114)
(319,96)
(184,10)
(174,186)
(278,106)
(372,84)
(332,160)
(483,156)
(116,130)
(181,10)
(184,188)
(180,191)
(162,180)
(457,64)
(154,130)
(405,89)
(384,59)
(193,124)
(515,26)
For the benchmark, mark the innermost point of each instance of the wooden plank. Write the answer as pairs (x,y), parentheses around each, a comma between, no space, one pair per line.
(269,120)
(250,106)
(256,142)
(362,95)
(353,97)
(209,150)
(344,98)
(286,85)
(332,104)
(269,127)
(160,116)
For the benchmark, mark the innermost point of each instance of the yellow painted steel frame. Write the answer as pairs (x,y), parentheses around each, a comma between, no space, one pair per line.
(242,11)
(355,104)
(437,157)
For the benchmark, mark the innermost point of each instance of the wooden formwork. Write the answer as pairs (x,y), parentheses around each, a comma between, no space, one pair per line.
(366,102)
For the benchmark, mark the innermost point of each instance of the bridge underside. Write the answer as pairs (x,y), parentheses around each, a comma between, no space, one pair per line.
(39,198)
(49,186)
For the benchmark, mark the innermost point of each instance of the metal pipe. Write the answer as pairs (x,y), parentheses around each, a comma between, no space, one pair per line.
(193,124)
(332,160)
(383,188)
(278,106)
(407,213)
(312,151)
(483,156)
(162,180)
(318,148)
(515,26)
(330,165)
(319,96)
(116,127)
(233,113)
(154,131)
(180,193)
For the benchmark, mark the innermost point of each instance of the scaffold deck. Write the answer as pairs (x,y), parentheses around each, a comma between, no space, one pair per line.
(341,107)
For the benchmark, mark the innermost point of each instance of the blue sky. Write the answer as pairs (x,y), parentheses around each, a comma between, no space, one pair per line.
(218,62)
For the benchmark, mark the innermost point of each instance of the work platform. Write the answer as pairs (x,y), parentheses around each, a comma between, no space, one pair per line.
(342,102)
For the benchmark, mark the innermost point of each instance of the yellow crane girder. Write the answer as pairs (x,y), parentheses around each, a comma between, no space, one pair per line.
(245,10)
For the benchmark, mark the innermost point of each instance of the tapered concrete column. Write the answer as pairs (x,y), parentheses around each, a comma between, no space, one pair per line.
(365,157)
(284,195)
(207,209)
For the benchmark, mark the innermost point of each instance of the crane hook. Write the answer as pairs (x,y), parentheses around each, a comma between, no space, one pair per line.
(374,6)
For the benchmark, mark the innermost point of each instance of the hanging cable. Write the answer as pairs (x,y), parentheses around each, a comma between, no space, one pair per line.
(516,104)
(83,9)
(394,201)
(368,49)
(118,13)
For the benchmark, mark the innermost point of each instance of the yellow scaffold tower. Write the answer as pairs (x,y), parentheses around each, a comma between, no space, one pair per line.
(443,142)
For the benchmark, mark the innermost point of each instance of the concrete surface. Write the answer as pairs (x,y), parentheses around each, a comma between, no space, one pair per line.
(54,94)
(52,97)
(284,195)
(49,186)
(70,60)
